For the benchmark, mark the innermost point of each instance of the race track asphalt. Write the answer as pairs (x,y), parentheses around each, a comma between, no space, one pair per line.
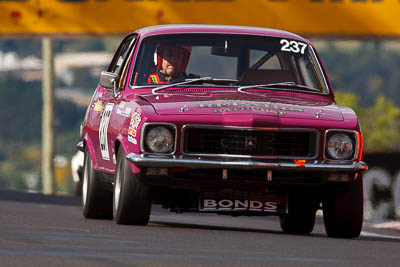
(39,230)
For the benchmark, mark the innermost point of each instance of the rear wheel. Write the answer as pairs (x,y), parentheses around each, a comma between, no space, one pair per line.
(300,218)
(132,201)
(96,200)
(344,211)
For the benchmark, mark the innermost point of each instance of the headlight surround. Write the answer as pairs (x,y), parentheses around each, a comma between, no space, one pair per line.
(159,139)
(340,146)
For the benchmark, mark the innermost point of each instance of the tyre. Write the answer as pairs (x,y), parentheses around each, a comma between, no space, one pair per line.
(343,211)
(132,200)
(300,218)
(96,200)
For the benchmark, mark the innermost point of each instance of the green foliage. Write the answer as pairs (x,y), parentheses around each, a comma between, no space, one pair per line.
(23,160)
(21,104)
(21,116)
(369,69)
(21,127)
(68,116)
(381,126)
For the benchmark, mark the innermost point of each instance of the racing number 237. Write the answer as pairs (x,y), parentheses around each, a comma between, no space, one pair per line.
(293,46)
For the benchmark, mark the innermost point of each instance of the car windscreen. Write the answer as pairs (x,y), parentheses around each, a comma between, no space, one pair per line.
(251,60)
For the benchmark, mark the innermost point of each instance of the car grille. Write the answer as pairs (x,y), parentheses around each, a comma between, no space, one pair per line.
(250,142)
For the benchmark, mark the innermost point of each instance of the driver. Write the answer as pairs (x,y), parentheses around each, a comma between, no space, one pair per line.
(171,64)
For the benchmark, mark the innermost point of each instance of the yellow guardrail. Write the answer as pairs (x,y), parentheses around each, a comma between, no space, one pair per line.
(376,18)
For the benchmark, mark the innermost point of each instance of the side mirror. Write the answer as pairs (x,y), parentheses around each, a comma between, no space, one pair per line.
(109,80)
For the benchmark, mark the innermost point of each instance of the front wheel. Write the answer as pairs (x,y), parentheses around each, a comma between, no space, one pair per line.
(344,210)
(301,216)
(132,201)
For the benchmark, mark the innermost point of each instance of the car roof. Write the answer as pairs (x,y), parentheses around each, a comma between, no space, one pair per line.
(215,29)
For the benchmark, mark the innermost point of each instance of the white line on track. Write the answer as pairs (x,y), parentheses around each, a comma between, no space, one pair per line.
(387,225)
(369,234)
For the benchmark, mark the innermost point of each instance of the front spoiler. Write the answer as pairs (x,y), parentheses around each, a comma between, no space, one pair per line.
(201,163)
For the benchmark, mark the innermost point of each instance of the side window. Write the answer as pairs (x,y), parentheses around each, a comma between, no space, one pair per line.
(121,55)
(306,71)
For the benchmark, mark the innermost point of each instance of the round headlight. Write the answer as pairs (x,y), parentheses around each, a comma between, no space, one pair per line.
(340,146)
(159,140)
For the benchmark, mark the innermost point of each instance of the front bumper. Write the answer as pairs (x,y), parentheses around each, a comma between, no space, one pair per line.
(204,163)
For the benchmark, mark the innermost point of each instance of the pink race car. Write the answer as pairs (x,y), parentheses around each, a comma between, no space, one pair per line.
(225,119)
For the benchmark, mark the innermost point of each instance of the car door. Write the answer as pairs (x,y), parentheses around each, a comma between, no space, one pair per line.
(107,132)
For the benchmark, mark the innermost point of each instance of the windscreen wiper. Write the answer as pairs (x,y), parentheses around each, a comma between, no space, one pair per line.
(278,85)
(195,80)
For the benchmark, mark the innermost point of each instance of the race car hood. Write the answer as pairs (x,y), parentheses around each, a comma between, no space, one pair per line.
(218,104)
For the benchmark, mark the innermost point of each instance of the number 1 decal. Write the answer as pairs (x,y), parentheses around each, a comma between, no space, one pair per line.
(293,46)
(105,119)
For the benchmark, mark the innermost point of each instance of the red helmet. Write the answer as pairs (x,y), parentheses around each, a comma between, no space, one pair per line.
(184,50)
